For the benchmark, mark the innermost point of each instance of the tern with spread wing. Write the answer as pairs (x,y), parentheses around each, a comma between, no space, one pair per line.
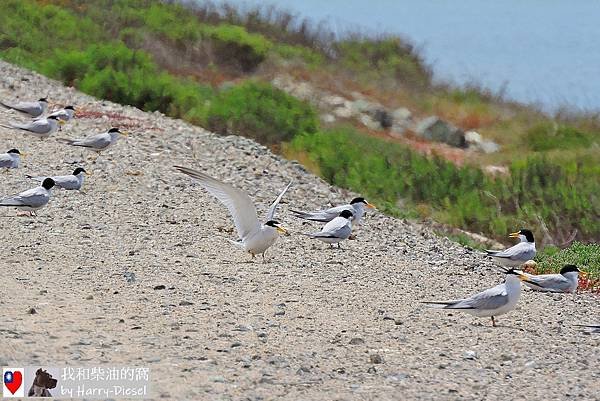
(492,302)
(10,159)
(356,206)
(337,230)
(32,199)
(518,254)
(42,128)
(32,109)
(255,237)
(566,281)
(69,182)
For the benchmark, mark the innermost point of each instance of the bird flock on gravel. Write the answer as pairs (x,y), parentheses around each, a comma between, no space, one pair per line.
(256,236)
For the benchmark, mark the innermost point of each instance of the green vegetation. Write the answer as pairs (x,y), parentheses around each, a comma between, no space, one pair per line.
(209,65)
(565,197)
(584,256)
(262,112)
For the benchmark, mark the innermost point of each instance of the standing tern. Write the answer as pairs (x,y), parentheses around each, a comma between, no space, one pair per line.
(492,302)
(32,199)
(566,281)
(518,254)
(98,142)
(337,230)
(42,128)
(590,328)
(356,206)
(65,114)
(10,159)
(32,109)
(255,238)
(69,182)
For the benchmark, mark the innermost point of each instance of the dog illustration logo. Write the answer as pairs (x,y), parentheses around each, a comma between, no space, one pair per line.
(42,384)
(12,382)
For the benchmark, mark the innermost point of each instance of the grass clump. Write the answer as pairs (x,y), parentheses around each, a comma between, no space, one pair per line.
(563,197)
(549,136)
(260,111)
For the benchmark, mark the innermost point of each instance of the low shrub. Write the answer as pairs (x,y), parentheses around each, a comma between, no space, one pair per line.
(260,111)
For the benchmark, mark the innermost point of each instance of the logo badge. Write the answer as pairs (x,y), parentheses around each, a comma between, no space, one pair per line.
(12,382)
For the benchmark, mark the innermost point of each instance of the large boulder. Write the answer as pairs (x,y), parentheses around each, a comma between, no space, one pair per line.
(435,129)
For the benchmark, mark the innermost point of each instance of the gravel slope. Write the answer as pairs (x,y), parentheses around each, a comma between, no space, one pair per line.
(312,323)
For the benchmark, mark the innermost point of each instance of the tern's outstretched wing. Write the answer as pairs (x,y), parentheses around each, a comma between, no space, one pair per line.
(237,202)
(273,208)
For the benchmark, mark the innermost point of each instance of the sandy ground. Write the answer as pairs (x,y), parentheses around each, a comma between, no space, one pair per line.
(310,324)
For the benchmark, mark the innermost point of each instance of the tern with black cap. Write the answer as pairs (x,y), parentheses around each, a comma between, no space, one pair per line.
(337,230)
(69,182)
(566,281)
(356,206)
(31,109)
(255,237)
(98,142)
(518,254)
(41,128)
(10,159)
(492,302)
(32,199)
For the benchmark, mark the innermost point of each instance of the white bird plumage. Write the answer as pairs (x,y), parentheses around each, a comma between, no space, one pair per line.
(98,142)
(10,159)
(337,230)
(356,206)
(255,237)
(32,199)
(494,301)
(518,254)
(41,128)
(32,109)
(69,182)
(566,281)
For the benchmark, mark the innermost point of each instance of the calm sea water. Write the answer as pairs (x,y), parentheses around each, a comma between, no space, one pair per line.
(545,52)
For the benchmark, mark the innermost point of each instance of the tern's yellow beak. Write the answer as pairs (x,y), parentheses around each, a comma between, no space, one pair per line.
(88,173)
(523,277)
(371,206)
(61,122)
(124,133)
(514,235)
(23,154)
(282,230)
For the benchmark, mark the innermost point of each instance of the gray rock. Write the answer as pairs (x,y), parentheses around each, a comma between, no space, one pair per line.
(327,118)
(376,359)
(368,122)
(435,129)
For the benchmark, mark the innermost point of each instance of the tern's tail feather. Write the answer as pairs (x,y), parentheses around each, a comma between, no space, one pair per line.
(310,216)
(67,141)
(236,243)
(442,304)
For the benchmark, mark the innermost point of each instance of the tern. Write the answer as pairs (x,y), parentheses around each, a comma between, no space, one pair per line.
(10,159)
(492,302)
(566,281)
(42,128)
(98,142)
(255,237)
(69,182)
(32,109)
(337,230)
(65,114)
(518,254)
(356,206)
(32,199)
